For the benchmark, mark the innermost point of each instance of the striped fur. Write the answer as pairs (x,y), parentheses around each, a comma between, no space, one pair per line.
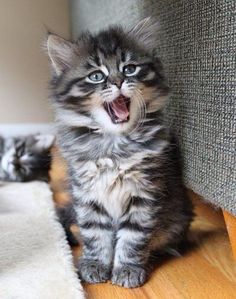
(25,158)
(125,178)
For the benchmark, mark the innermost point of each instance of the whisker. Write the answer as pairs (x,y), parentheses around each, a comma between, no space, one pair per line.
(106,91)
(142,110)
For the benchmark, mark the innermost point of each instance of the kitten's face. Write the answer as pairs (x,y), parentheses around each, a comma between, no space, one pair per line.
(108,81)
(26,158)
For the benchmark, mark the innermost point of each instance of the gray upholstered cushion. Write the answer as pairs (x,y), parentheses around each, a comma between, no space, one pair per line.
(197,46)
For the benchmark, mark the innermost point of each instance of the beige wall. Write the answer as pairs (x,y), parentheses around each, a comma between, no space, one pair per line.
(24,68)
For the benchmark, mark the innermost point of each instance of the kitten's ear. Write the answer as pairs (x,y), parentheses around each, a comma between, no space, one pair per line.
(44,142)
(60,52)
(145,32)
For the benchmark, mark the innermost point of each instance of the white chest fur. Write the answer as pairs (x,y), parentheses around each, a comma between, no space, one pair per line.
(112,184)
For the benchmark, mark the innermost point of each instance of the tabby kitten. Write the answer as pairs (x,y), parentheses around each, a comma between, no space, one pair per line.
(108,91)
(25,158)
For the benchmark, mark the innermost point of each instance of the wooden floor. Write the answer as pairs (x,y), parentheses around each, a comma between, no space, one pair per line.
(206,270)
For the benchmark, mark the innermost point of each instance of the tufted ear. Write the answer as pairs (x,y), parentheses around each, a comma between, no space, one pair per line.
(44,142)
(60,52)
(145,32)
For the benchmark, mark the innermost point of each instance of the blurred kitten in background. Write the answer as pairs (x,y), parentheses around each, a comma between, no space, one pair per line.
(25,158)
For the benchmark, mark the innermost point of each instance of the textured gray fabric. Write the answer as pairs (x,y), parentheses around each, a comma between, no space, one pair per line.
(196,42)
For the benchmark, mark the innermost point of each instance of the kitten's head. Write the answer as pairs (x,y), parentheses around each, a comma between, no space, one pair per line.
(109,81)
(25,158)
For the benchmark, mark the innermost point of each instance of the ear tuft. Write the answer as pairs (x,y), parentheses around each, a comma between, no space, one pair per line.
(44,142)
(145,32)
(60,52)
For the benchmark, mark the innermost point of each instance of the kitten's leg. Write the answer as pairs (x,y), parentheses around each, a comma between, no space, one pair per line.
(133,241)
(67,218)
(97,238)
(144,228)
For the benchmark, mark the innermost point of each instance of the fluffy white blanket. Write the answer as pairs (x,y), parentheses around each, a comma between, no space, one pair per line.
(35,259)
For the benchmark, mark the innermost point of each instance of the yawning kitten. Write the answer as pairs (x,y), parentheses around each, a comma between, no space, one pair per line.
(108,91)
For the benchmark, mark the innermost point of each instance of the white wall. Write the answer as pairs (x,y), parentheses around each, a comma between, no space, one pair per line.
(24,71)
(96,14)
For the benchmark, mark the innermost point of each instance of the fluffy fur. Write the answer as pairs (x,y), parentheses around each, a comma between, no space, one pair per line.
(25,158)
(124,172)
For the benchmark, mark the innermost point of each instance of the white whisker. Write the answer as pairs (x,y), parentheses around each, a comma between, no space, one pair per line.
(142,110)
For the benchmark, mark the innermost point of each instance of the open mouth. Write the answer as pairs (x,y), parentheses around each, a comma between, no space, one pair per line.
(118,110)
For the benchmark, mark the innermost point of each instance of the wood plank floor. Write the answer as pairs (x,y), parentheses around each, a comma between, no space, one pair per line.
(206,270)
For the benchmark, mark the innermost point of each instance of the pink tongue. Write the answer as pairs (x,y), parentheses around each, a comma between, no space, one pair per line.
(120,108)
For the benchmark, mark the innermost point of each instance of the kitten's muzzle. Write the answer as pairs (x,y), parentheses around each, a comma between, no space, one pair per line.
(16,162)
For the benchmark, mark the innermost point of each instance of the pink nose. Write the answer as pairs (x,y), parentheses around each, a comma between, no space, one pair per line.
(117,82)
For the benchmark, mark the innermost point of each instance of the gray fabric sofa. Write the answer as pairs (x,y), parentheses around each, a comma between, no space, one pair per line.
(196,43)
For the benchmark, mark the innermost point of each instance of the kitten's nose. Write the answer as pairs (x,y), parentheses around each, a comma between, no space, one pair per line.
(16,162)
(117,81)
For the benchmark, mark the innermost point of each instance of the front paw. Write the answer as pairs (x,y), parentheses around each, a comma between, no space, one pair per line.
(129,276)
(93,271)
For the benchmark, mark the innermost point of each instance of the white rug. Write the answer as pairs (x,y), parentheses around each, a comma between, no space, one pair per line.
(35,259)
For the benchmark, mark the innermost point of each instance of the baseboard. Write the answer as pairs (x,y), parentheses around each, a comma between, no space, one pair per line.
(26,129)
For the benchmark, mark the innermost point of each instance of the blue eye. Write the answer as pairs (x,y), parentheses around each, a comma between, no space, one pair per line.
(96,77)
(129,69)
